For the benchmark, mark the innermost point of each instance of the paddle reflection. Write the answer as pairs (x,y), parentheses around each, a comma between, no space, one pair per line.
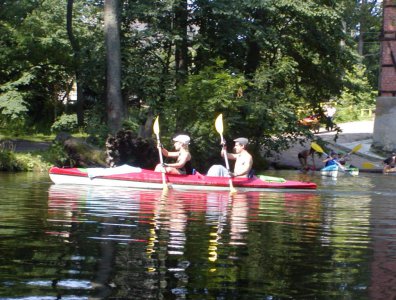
(155,236)
(169,212)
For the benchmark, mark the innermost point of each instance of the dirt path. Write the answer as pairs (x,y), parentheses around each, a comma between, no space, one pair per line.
(25,146)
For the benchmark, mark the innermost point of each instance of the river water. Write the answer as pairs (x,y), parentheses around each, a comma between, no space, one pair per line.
(78,242)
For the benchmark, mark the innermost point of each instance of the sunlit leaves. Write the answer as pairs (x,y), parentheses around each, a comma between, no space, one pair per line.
(12,104)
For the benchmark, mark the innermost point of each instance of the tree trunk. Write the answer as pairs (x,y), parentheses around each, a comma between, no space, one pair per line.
(76,62)
(113,60)
(181,49)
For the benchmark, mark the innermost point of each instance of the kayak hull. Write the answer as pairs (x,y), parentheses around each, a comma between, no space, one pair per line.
(334,171)
(147,179)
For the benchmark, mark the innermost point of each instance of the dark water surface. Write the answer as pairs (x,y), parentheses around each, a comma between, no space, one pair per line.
(78,242)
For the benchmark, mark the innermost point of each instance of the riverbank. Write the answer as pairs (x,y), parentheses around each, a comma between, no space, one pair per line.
(351,135)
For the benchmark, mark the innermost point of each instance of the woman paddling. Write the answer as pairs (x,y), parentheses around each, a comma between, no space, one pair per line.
(182,155)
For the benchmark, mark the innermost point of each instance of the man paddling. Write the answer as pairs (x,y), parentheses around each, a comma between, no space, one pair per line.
(243,161)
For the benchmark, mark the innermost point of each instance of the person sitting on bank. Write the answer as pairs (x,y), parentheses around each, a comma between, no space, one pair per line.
(182,155)
(303,159)
(243,161)
(390,163)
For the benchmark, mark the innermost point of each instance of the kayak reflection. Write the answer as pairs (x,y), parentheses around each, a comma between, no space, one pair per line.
(166,234)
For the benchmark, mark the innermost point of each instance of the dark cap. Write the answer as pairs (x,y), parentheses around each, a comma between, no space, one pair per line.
(242,141)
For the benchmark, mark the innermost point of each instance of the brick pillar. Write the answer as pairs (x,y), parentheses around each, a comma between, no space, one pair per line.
(384,136)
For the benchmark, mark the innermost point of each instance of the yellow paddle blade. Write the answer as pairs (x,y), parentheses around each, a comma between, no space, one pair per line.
(316,147)
(233,191)
(219,124)
(368,165)
(356,148)
(156,126)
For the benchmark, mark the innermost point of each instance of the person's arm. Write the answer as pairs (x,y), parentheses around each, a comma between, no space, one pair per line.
(232,156)
(229,155)
(169,154)
(164,151)
(183,159)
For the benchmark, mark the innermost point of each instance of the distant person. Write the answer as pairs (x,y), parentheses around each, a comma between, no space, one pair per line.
(329,113)
(243,161)
(390,163)
(303,159)
(182,155)
(343,158)
(332,159)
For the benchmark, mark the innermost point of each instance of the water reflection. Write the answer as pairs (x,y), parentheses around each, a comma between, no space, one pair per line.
(163,222)
(77,242)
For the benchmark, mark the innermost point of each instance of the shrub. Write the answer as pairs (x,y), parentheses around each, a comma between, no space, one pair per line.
(95,126)
(66,123)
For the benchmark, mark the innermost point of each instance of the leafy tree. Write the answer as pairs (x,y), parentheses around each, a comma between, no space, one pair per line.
(363,24)
(34,62)
(357,94)
(258,62)
(212,91)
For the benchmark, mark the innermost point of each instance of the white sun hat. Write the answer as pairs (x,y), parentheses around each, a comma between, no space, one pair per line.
(182,138)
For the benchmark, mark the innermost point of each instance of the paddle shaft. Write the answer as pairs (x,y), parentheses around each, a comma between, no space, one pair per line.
(161,158)
(219,129)
(226,161)
(225,154)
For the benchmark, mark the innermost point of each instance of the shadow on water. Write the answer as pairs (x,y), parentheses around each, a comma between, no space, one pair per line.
(79,242)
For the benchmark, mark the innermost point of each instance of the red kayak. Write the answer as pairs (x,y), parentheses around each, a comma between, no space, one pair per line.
(127,176)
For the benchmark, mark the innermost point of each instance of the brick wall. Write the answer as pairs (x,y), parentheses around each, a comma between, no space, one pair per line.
(387,80)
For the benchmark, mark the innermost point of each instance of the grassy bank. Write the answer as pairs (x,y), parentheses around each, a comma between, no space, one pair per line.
(34,160)
(13,161)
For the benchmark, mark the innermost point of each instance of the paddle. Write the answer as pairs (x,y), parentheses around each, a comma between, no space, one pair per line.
(369,165)
(219,129)
(157,131)
(356,148)
(319,149)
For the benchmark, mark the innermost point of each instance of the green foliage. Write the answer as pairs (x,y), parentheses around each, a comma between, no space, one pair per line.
(357,95)
(284,56)
(363,20)
(357,90)
(13,105)
(207,94)
(65,122)
(15,162)
(56,155)
(271,119)
(95,126)
(8,162)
